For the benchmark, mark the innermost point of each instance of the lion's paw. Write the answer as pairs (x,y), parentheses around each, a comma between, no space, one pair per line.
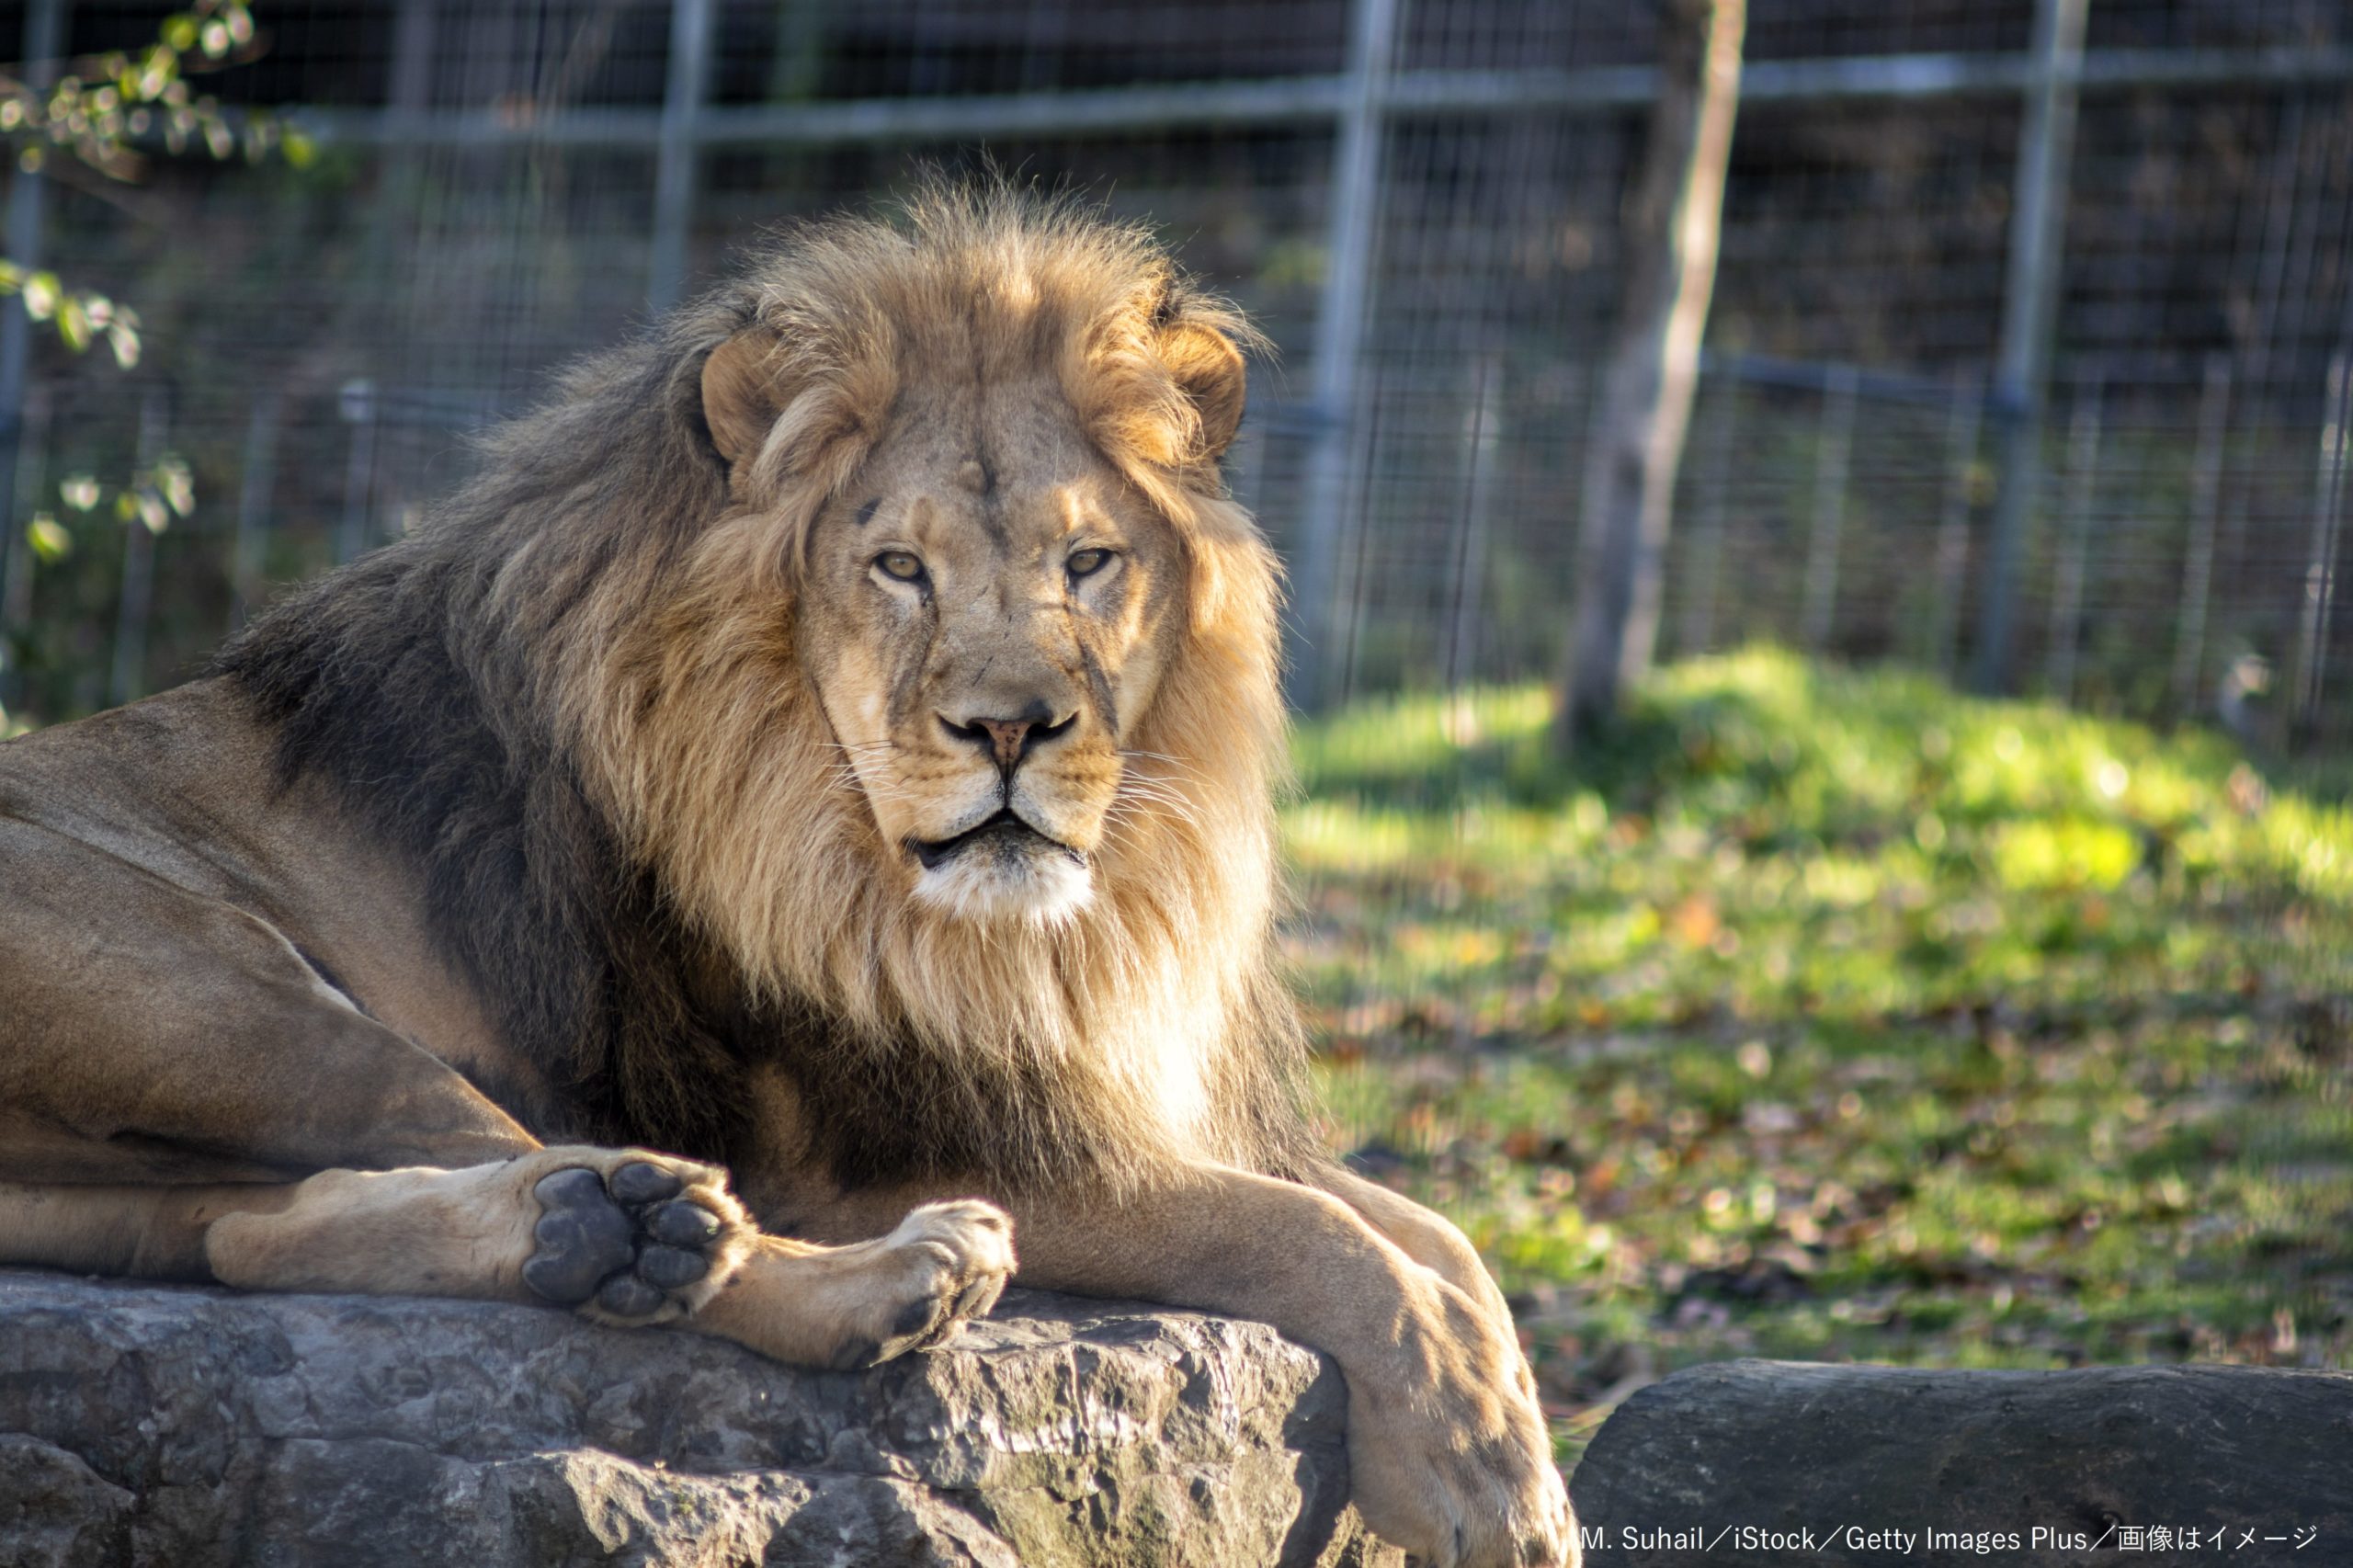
(945,1264)
(1496,1502)
(629,1237)
(1457,1468)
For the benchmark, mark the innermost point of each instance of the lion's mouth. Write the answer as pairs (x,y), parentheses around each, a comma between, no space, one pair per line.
(1004,830)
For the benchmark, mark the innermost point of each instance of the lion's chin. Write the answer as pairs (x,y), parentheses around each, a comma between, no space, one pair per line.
(996,883)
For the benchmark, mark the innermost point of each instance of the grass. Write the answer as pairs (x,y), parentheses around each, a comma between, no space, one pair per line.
(1835,1015)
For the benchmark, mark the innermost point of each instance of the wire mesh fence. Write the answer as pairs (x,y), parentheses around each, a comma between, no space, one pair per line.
(1417,198)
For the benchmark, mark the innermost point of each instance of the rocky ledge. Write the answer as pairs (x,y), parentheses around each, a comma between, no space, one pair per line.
(1771,1464)
(143,1425)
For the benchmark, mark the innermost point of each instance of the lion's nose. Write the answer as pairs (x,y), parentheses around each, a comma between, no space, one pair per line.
(1008,740)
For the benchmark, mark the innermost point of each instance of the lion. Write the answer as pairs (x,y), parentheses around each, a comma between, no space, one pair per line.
(786,849)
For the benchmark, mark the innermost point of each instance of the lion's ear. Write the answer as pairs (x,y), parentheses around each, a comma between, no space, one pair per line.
(1208,368)
(741,396)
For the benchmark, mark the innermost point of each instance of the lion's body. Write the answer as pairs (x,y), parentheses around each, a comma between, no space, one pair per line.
(834,742)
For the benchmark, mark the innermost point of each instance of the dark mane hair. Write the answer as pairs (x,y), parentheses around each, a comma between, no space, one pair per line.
(416,682)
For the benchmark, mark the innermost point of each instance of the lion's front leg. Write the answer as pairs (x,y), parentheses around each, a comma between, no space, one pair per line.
(866,1301)
(1448,1456)
(624,1235)
(1431,1240)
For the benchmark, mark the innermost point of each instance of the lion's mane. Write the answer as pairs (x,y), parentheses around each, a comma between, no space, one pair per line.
(571,696)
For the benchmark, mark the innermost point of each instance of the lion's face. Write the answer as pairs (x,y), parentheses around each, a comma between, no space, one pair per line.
(987,612)
(977,650)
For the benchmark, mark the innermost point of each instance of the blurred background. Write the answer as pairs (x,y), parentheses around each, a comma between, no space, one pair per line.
(1941,956)
(1427,224)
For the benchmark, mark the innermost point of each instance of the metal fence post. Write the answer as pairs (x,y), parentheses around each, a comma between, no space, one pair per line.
(1831,460)
(1356,159)
(44,44)
(1481,435)
(16,547)
(2205,508)
(359,408)
(2074,537)
(128,679)
(254,493)
(677,160)
(2029,309)
(1962,418)
(1697,631)
(2320,563)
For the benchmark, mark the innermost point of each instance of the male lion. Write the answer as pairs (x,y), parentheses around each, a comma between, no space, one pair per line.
(831,741)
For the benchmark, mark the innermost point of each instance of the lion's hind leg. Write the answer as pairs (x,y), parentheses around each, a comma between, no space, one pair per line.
(139,1231)
(624,1235)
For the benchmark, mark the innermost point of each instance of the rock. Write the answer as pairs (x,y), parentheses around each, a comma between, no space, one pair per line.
(1787,1449)
(186,1427)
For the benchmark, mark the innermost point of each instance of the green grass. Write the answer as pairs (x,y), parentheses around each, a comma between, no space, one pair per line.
(1836,1015)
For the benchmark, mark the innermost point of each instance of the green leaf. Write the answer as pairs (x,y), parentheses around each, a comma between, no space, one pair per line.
(179,31)
(178,484)
(41,295)
(156,70)
(73,323)
(300,151)
(49,539)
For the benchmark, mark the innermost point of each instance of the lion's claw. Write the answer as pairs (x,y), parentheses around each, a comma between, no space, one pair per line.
(627,1242)
(916,1317)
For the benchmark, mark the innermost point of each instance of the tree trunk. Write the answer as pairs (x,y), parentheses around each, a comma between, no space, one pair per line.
(1670,224)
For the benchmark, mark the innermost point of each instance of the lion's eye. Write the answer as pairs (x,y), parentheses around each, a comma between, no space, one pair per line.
(901,563)
(1086,563)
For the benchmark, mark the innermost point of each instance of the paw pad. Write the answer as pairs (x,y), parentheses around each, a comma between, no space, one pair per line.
(641,1182)
(682,1225)
(627,1241)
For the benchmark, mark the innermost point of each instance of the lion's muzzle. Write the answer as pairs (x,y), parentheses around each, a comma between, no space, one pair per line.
(1002,834)
(1003,868)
